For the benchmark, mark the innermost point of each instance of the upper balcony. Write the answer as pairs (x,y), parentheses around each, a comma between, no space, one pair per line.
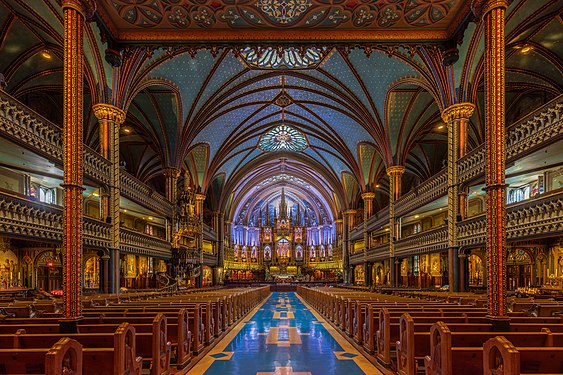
(37,134)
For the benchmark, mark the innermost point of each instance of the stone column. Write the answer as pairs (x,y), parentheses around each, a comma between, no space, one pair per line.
(74,14)
(105,265)
(456,117)
(110,118)
(219,222)
(368,211)
(199,198)
(492,14)
(394,172)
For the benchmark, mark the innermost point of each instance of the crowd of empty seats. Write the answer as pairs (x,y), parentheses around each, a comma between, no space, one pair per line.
(121,335)
(446,334)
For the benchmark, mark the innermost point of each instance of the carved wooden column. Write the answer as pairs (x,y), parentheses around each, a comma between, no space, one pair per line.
(394,172)
(110,118)
(456,117)
(368,211)
(492,13)
(74,14)
(199,198)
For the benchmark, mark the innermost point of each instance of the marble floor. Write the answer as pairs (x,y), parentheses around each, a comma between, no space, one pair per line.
(284,336)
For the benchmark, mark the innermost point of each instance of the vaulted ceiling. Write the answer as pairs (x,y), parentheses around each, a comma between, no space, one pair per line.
(359,106)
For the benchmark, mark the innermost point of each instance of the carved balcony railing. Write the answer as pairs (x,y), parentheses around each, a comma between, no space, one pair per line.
(376,253)
(428,241)
(30,129)
(378,220)
(528,219)
(209,259)
(543,126)
(25,218)
(143,244)
(428,191)
(136,190)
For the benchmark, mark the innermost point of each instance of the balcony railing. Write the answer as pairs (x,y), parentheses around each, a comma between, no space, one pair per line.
(136,190)
(35,220)
(543,126)
(143,244)
(528,219)
(428,191)
(428,241)
(28,128)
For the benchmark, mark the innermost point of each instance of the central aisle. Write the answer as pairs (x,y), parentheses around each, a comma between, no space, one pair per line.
(284,337)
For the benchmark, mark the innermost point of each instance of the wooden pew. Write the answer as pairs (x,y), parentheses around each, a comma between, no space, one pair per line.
(120,358)
(64,357)
(501,357)
(452,354)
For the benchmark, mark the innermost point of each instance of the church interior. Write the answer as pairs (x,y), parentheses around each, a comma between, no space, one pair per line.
(281,187)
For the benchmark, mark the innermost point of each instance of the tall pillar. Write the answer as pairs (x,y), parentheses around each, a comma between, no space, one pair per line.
(171,189)
(394,172)
(199,198)
(492,13)
(368,211)
(456,117)
(110,118)
(348,225)
(219,223)
(74,14)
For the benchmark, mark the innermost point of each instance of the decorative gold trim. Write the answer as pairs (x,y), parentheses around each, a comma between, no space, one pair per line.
(282,35)
(110,112)
(481,7)
(350,212)
(368,195)
(85,7)
(171,172)
(458,111)
(395,169)
(200,197)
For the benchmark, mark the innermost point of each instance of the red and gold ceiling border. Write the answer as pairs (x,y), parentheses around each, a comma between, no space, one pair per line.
(205,21)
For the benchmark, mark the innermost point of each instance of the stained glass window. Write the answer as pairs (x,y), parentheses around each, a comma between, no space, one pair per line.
(283,138)
(287,58)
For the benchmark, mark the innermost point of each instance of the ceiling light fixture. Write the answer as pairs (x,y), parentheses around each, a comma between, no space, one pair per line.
(441,127)
(526,48)
(416,216)
(46,54)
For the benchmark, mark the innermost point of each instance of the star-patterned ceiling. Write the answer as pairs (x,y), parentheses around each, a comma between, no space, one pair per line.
(204,109)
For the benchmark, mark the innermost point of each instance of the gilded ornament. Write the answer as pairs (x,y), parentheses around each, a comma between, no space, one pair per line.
(481,7)
(458,111)
(368,195)
(109,112)
(395,169)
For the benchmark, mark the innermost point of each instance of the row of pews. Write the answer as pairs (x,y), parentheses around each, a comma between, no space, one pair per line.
(125,336)
(410,336)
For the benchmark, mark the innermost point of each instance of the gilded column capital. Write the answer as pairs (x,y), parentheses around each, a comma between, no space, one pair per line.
(350,212)
(395,169)
(368,196)
(458,111)
(110,112)
(171,172)
(85,7)
(200,197)
(481,7)
(338,221)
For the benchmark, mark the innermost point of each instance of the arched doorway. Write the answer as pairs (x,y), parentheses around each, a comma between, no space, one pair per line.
(476,270)
(49,271)
(92,273)
(518,269)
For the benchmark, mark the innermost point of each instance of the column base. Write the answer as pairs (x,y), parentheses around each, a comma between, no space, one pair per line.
(69,325)
(499,323)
